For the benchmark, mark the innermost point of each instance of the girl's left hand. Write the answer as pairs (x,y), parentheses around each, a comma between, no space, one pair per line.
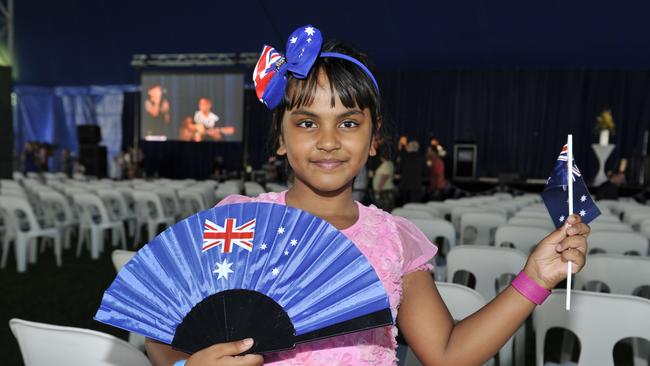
(547,263)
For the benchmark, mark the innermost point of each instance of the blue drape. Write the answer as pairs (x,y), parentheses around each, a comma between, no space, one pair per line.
(53,114)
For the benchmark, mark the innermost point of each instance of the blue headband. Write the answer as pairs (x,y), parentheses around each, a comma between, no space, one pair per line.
(303,47)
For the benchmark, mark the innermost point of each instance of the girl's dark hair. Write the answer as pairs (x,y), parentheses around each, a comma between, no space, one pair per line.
(347,80)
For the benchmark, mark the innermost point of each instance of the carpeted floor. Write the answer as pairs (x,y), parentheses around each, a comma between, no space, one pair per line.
(46,293)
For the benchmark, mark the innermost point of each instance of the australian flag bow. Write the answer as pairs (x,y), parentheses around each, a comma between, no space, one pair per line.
(556,193)
(269,75)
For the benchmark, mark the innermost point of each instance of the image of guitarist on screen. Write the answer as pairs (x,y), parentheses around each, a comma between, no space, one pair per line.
(207,123)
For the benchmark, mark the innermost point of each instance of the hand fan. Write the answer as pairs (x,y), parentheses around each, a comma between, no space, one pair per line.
(270,272)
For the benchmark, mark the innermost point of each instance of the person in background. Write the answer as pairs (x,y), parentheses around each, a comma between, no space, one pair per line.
(28,158)
(67,162)
(412,172)
(157,106)
(436,166)
(383,186)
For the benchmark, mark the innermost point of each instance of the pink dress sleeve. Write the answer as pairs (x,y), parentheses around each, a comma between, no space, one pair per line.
(233,198)
(417,249)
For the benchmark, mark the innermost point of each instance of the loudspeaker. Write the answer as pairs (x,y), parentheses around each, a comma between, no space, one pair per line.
(6,125)
(464,162)
(89,134)
(94,159)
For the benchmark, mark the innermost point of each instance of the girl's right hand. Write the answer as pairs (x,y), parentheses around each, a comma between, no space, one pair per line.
(225,354)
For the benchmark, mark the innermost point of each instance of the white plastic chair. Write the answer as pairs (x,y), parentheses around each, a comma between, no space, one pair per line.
(170,201)
(228,188)
(618,243)
(423,207)
(437,228)
(25,238)
(275,187)
(95,220)
(524,238)
(46,345)
(412,213)
(462,302)
(544,223)
(149,209)
(63,214)
(598,320)
(458,212)
(622,274)
(191,202)
(490,265)
(479,227)
(120,258)
(118,207)
(253,189)
(609,226)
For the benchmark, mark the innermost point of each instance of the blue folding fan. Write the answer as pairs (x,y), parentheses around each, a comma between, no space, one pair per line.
(270,272)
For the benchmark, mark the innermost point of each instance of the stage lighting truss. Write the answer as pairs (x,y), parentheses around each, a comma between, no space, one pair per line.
(194,59)
(6,32)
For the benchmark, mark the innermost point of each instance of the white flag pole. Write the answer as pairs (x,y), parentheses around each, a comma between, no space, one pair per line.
(570,184)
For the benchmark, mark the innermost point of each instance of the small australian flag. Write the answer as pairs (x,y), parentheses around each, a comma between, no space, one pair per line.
(556,194)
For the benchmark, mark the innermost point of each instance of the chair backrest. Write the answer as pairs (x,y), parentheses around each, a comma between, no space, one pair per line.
(544,223)
(170,201)
(253,189)
(145,202)
(479,227)
(120,257)
(412,213)
(423,207)
(598,320)
(191,201)
(461,301)
(618,242)
(458,212)
(46,345)
(13,206)
(486,263)
(437,228)
(115,202)
(59,206)
(623,274)
(524,238)
(609,226)
(92,208)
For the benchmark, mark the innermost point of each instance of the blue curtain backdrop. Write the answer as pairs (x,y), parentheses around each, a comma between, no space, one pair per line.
(53,114)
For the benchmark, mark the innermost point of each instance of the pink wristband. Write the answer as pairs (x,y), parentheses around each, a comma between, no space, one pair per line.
(530,289)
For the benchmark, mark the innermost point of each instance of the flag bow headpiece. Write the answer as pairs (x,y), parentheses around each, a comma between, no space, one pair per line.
(303,47)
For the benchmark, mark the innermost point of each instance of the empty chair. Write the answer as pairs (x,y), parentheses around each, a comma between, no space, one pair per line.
(479,227)
(149,209)
(25,237)
(598,320)
(95,220)
(544,223)
(609,226)
(423,207)
(436,229)
(45,345)
(227,188)
(524,238)
(443,208)
(118,206)
(412,214)
(461,301)
(253,189)
(493,268)
(620,274)
(275,187)
(618,243)
(120,258)
(63,214)
(457,212)
(191,201)
(170,201)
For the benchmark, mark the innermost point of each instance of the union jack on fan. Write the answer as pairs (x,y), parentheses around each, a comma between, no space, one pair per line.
(228,235)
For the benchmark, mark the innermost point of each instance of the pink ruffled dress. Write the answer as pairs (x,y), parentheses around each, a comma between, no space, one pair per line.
(394,247)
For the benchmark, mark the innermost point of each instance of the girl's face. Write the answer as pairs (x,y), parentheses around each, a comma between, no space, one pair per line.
(326,146)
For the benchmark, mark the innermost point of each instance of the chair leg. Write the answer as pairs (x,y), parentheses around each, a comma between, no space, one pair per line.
(5,251)
(21,254)
(151,226)
(80,240)
(96,240)
(32,249)
(123,235)
(57,249)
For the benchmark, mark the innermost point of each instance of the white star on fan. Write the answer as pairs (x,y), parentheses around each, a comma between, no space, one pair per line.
(263,246)
(583,212)
(294,242)
(308,40)
(309,31)
(223,269)
(293,40)
(583,198)
(280,230)
(275,271)
(562,218)
(286,252)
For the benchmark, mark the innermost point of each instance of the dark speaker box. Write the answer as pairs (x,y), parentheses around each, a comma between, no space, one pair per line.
(94,159)
(89,134)
(6,125)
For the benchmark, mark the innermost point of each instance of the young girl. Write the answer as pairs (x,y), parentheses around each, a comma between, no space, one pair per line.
(325,120)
